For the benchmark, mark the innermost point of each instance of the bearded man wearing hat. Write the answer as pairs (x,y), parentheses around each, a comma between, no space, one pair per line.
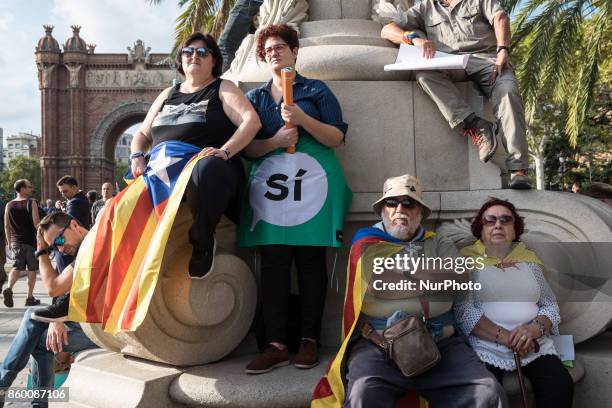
(362,374)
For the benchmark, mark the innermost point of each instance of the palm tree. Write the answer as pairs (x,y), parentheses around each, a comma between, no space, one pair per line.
(200,15)
(565,53)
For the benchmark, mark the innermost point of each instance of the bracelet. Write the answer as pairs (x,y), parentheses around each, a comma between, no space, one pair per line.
(408,36)
(136,155)
(227,153)
(540,325)
(497,335)
(44,251)
(502,47)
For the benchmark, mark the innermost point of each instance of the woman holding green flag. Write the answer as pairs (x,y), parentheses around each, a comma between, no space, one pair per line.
(296,202)
(515,310)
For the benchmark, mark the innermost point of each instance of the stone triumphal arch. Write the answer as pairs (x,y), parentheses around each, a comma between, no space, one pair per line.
(88,100)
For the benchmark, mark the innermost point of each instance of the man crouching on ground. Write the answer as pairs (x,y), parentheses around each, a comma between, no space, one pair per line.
(372,379)
(40,339)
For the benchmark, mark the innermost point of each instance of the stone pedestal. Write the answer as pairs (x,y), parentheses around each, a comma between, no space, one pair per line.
(594,390)
(101,378)
(191,321)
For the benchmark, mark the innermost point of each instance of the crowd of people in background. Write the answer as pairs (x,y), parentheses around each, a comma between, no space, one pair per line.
(20,220)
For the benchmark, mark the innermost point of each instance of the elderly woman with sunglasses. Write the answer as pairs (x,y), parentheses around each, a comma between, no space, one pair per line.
(313,190)
(515,310)
(214,116)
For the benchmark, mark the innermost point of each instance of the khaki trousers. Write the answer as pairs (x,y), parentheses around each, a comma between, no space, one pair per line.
(503,95)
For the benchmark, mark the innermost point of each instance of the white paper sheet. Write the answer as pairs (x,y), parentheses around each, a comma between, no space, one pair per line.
(409,58)
(565,347)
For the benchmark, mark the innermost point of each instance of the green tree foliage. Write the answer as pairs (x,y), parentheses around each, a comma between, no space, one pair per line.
(120,170)
(567,47)
(591,158)
(199,15)
(19,168)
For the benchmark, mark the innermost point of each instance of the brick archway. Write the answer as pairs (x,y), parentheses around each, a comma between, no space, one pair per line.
(87,101)
(105,135)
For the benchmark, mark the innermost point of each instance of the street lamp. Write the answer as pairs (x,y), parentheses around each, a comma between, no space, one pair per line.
(562,170)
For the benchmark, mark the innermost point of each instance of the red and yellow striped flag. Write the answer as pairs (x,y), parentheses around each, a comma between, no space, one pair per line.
(118,263)
(368,243)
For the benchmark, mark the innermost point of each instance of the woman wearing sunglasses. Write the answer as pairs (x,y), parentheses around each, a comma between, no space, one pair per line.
(303,197)
(515,310)
(209,114)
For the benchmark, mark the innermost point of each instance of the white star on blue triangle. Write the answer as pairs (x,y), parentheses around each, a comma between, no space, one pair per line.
(167,162)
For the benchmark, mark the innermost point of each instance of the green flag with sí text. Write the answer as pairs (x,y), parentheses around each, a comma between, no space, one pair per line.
(296,199)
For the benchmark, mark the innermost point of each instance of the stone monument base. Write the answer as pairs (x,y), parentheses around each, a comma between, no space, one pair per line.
(102,378)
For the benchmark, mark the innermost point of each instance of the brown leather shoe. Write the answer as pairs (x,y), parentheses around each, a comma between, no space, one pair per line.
(271,358)
(308,355)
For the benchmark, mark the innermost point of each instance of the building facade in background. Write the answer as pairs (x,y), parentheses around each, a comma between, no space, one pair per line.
(20,145)
(88,101)
(122,149)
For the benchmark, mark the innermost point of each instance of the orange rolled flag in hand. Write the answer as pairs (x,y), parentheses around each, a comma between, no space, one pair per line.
(287,77)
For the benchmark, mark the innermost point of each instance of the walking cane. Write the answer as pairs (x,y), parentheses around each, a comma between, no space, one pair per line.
(519,370)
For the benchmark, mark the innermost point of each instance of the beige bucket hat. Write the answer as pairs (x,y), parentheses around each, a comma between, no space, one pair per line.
(405,185)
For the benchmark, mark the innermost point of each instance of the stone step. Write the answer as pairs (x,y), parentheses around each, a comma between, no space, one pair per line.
(101,378)
(122,381)
(225,384)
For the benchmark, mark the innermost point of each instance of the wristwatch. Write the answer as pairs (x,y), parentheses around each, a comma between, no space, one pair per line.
(44,251)
(502,47)
(136,155)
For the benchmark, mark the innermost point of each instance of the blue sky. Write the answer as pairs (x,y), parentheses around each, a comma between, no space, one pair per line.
(110,24)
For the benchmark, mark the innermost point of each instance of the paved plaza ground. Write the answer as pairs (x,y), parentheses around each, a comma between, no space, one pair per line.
(9,324)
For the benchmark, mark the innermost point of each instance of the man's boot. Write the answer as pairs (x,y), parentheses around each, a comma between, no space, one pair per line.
(482,133)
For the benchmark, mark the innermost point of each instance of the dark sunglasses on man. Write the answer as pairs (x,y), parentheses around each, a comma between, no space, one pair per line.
(490,220)
(58,241)
(394,202)
(201,51)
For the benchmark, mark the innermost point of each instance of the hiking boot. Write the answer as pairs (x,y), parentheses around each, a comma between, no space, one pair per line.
(308,355)
(519,180)
(201,263)
(271,358)
(482,133)
(57,312)
(7,294)
(32,301)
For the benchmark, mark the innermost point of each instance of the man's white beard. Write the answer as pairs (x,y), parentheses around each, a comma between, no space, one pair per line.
(401,231)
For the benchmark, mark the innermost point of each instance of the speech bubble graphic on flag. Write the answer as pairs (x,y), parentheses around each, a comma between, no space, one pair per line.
(287,190)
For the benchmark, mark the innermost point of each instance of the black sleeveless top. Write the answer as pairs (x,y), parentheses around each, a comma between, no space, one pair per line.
(196,118)
(20,220)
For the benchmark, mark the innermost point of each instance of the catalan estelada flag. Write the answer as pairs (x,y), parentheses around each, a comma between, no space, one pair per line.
(118,263)
(368,243)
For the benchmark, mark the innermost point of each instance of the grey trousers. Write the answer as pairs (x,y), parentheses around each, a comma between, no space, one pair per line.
(504,97)
(458,380)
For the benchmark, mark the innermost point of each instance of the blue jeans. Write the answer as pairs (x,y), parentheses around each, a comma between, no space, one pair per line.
(237,27)
(30,340)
